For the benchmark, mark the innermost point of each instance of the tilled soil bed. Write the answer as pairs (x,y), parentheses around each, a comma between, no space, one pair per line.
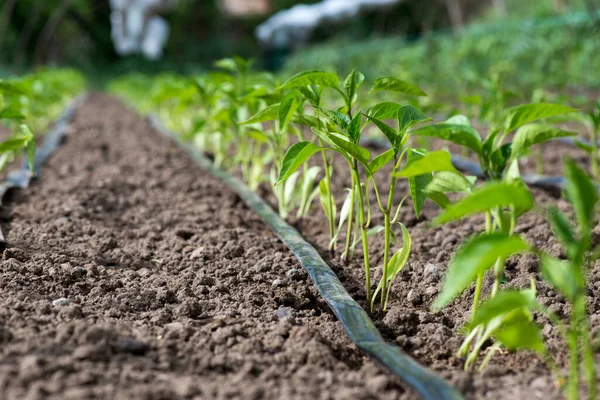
(132,273)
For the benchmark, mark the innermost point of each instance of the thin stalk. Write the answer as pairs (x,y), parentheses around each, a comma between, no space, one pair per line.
(349,237)
(594,157)
(388,239)
(498,274)
(330,197)
(363,231)
(540,159)
(589,365)
(573,385)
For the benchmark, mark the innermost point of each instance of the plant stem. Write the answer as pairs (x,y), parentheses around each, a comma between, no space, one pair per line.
(594,158)
(363,231)
(388,234)
(346,253)
(498,274)
(573,385)
(330,197)
(540,159)
(589,365)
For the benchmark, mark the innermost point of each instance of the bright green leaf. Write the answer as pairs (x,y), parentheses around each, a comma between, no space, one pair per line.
(476,256)
(450,182)
(396,85)
(503,303)
(560,275)
(408,116)
(434,161)
(531,134)
(582,193)
(378,162)
(489,197)
(526,113)
(462,135)
(270,113)
(287,108)
(296,155)
(314,77)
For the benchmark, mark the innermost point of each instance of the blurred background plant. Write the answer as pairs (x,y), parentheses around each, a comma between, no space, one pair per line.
(455,43)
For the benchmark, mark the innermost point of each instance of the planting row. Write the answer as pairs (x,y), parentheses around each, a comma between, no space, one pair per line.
(267,131)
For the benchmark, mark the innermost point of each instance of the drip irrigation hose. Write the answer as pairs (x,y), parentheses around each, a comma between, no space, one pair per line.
(21,177)
(357,324)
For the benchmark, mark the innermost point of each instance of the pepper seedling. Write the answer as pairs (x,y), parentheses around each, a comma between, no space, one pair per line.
(508,316)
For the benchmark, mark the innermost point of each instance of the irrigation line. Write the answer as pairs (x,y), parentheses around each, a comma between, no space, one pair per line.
(354,319)
(21,177)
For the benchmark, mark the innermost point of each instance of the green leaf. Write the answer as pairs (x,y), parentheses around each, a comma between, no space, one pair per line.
(531,134)
(258,135)
(339,119)
(18,141)
(521,333)
(560,275)
(487,198)
(287,108)
(396,85)
(270,113)
(354,128)
(11,113)
(357,152)
(330,212)
(296,155)
(10,88)
(417,183)
(389,132)
(450,182)
(439,198)
(476,256)
(313,77)
(434,161)
(397,262)
(526,113)
(459,119)
(563,230)
(503,303)
(399,259)
(378,162)
(385,110)
(408,116)
(352,83)
(306,120)
(582,193)
(462,135)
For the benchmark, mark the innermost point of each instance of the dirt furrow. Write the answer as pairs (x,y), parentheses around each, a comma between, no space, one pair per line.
(131,273)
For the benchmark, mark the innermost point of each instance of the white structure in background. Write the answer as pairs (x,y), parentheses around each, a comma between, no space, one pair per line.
(137,29)
(294,26)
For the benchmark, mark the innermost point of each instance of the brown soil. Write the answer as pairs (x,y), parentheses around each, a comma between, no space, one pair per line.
(133,274)
(176,290)
(434,338)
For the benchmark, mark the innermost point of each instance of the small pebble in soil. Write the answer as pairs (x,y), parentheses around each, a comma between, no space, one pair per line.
(431,270)
(431,291)
(279,283)
(294,274)
(284,312)
(132,346)
(414,297)
(198,253)
(63,301)
(78,272)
